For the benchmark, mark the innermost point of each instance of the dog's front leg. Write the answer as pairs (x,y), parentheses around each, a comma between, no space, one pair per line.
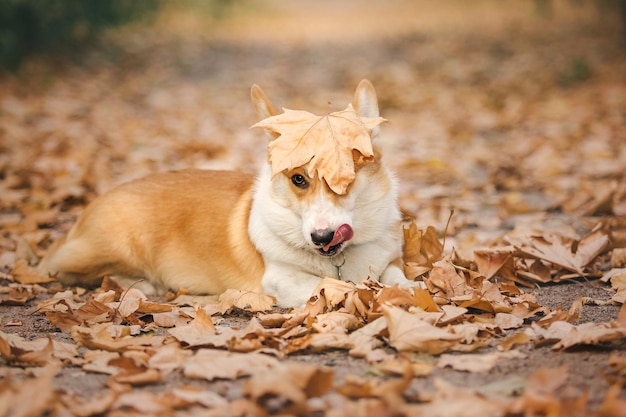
(291,287)
(393,275)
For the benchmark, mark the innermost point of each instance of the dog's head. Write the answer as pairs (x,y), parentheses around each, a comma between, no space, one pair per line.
(335,205)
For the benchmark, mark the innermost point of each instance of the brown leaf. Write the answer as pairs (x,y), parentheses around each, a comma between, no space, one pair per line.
(409,332)
(327,143)
(94,311)
(496,261)
(185,396)
(245,300)
(287,387)
(476,362)
(168,358)
(573,256)
(618,258)
(130,301)
(444,279)
(336,321)
(329,294)
(24,274)
(197,333)
(453,401)
(32,397)
(93,405)
(540,394)
(212,364)
(421,250)
(17,296)
(62,320)
(424,300)
(391,390)
(99,337)
(517,339)
(396,296)
(38,352)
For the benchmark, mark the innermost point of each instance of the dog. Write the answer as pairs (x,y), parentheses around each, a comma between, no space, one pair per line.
(207,231)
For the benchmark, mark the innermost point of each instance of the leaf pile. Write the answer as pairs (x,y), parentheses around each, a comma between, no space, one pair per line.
(401,333)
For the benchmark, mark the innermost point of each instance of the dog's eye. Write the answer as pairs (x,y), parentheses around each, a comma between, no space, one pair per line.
(299,181)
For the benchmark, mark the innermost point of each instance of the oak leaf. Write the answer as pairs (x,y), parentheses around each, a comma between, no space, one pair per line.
(327,143)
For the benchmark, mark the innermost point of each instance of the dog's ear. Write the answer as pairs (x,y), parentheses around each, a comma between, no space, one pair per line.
(365,101)
(263,106)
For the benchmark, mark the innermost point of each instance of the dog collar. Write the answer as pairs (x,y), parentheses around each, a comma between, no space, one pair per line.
(338,264)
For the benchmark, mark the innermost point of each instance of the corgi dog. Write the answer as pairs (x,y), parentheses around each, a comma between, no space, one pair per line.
(207,231)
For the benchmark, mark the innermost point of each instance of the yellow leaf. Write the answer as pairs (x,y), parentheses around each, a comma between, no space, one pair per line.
(326,143)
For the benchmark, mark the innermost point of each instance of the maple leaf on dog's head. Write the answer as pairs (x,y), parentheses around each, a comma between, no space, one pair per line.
(327,142)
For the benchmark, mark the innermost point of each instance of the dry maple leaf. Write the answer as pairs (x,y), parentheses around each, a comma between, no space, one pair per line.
(476,362)
(24,274)
(244,300)
(197,333)
(288,387)
(212,364)
(408,332)
(32,397)
(573,256)
(421,249)
(540,394)
(327,143)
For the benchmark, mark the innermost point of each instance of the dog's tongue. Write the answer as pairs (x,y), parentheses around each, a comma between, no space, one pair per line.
(342,234)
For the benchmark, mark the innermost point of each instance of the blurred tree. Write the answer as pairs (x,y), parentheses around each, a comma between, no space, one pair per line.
(29,26)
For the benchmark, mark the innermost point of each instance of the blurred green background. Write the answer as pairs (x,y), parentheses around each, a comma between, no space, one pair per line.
(55,26)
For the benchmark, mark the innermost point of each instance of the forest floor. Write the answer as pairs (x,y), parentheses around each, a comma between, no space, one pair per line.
(511,117)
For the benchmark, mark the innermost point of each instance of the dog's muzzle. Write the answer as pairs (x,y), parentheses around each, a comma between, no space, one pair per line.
(331,242)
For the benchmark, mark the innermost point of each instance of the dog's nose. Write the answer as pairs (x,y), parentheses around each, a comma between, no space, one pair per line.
(322,237)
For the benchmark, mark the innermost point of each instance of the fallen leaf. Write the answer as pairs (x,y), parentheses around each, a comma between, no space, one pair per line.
(507,321)
(539,396)
(31,397)
(244,300)
(196,333)
(573,256)
(168,358)
(187,395)
(617,278)
(335,321)
(453,401)
(327,143)
(476,362)
(444,279)
(409,332)
(495,261)
(93,405)
(38,352)
(24,274)
(217,364)
(17,296)
(98,337)
(130,301)
(287,387)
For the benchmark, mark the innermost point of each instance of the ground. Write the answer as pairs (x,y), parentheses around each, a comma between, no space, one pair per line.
(509,115)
